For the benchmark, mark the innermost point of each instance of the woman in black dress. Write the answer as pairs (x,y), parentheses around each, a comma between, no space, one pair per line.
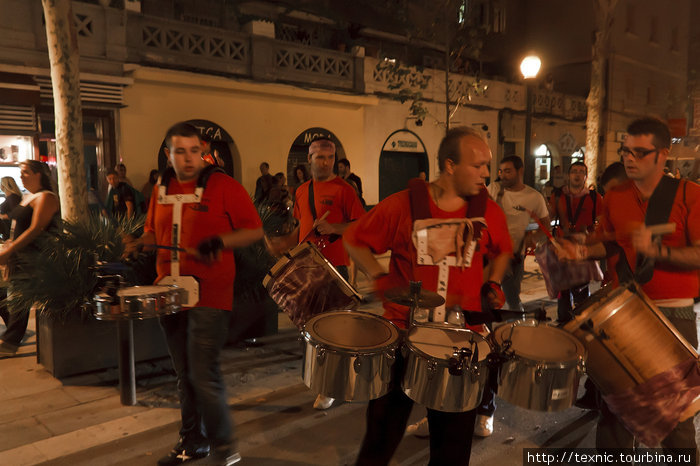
(36,213)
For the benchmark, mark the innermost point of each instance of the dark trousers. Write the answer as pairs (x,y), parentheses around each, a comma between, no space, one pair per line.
(195,338)
(512,282)
(568,299)
(16,321)
(610,433)
(450,433)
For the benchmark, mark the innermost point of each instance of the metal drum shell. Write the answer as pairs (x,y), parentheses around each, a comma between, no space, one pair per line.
(539,385)
(427,379)
(638,341)
(149,302)
(350,374)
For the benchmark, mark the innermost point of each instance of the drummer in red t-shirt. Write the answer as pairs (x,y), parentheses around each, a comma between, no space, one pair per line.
(204,221)
(675,256)
(464,160)
(325,206)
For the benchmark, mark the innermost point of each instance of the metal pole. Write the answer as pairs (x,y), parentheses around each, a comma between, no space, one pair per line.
(528,161)
(127,373)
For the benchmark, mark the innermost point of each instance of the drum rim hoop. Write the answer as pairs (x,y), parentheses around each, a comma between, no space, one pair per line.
(413,349)
(393,329)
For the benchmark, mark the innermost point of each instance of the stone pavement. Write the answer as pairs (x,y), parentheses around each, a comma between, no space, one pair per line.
(79,420)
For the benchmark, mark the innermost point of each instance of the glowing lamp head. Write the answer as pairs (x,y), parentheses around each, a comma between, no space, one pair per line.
(530,66)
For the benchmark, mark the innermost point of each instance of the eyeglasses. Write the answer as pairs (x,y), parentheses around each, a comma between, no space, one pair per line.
(637,154)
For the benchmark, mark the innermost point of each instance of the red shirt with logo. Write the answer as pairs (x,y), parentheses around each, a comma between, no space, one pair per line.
(389,226)
(225,207)
(339,199)
(624,211)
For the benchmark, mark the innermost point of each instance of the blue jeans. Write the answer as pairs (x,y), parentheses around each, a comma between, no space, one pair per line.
(511,284)
(195,338)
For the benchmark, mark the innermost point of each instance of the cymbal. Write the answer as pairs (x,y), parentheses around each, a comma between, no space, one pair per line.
(402,295)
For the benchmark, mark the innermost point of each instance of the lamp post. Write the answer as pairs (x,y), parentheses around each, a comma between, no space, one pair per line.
(529,68)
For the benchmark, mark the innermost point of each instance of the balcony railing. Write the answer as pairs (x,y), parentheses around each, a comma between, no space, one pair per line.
(109,38)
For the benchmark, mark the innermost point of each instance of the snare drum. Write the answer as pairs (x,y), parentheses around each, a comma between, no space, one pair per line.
(349,355)
(142,302)
(446,368)
(303,283)
(541,366)
(628,339)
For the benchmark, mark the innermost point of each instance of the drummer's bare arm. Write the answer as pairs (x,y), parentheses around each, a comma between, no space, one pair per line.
(241,238)
(45,206)
(687,257)
(365,260)
(326,228)
(574,251)
(499,266)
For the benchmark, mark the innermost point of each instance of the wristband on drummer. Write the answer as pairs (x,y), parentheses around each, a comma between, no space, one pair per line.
(210,246)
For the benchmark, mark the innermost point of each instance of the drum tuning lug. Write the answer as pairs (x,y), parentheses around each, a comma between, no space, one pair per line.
(432,368)
(538,374)
(357,364)
(320,354)
(581,366)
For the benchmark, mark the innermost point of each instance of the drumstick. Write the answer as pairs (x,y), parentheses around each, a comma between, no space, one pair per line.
(169,248)
(656,230)
(544,229)
(323,217)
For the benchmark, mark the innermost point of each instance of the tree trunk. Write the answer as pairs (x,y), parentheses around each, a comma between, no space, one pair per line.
(604,10)
(62,43)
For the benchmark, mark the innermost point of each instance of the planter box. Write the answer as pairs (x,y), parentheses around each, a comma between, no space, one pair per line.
(83,345)
(252,319)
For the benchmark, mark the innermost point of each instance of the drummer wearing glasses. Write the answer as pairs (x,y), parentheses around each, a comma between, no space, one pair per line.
(205,214)
(666,266)
(464,159)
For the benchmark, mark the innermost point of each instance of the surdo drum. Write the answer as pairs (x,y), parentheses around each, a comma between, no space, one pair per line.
(349,355)
(541,366)
(303,283)
(627,337)
(445,368)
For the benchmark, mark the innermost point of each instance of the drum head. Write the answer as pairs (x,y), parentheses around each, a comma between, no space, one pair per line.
(440,343)
(541,343)
(142,290)
(351,330)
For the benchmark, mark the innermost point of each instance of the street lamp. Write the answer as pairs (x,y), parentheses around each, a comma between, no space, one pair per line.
(529,68)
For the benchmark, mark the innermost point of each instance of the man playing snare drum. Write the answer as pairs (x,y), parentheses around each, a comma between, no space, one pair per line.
(325,206)
(464,160)
(208,214)
(665,265)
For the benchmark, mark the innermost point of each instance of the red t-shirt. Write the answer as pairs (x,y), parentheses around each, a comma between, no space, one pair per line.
(335,196)
(225,206)
(624,211)
(389,226)
(585,220)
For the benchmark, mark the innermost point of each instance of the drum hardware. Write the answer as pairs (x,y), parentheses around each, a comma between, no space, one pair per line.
(540,366)
(444,367)
(349,355)
(413,295)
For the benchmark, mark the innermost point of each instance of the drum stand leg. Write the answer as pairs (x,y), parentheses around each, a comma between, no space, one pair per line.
(127,377)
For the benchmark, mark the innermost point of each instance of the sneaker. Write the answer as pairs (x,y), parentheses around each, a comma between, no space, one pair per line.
(222,457)
(323,402)
(419,429)
(7,350)
(484,426)
(182,453)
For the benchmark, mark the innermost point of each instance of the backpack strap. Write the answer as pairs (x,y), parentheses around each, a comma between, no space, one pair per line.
(420,198)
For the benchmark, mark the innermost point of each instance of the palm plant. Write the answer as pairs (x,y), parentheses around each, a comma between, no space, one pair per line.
(59,276)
